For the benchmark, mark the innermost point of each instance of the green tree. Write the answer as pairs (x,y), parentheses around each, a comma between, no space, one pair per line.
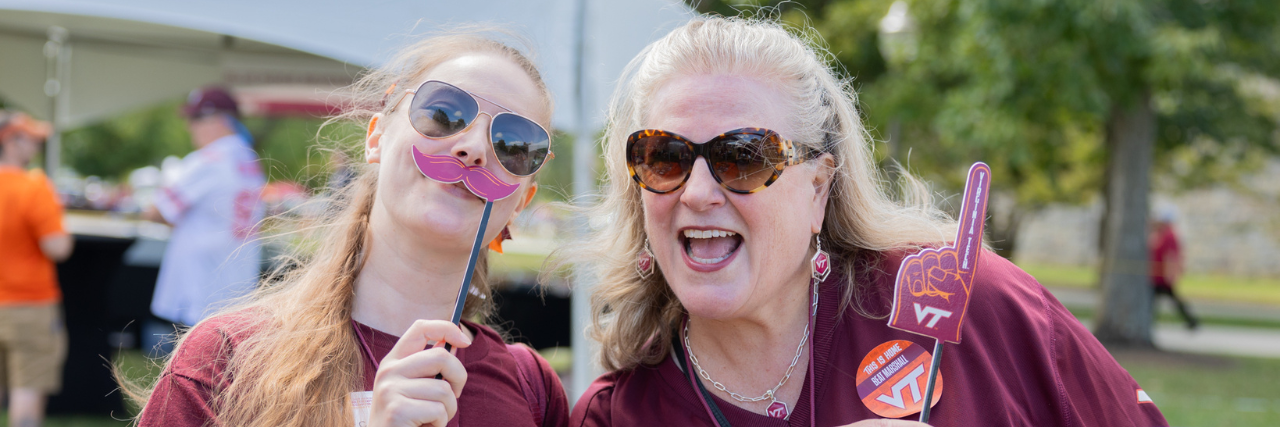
(298,149)
(291,148)
(1066,99)
(113,148)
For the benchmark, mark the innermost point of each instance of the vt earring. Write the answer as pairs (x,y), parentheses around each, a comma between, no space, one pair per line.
(821,264)
(644,262)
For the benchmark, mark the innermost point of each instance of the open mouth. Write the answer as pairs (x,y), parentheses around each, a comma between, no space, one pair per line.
(710,246)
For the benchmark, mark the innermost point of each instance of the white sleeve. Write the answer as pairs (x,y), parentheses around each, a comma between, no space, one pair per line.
(199,177)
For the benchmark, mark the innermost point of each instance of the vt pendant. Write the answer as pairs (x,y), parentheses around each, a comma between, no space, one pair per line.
(777,410)
(644,262)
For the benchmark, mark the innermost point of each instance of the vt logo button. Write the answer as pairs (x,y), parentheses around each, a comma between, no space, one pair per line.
(891,379)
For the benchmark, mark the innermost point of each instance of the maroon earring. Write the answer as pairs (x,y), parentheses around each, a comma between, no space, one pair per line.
(644,262)
(821,263)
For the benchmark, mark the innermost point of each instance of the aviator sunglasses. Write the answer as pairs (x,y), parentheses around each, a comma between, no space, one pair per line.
(440,110)
(743,160)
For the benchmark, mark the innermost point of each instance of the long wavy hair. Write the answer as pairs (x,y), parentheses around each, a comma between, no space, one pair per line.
(299,358)
(634,318)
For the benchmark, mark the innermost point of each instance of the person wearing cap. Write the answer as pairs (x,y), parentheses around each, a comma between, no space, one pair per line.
(1166,263)
(33,341)
(214,208)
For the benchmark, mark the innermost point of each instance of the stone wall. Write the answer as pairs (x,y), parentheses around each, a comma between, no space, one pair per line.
(1234,231)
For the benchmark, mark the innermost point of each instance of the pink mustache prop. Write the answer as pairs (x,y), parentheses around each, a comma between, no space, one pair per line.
(449,170)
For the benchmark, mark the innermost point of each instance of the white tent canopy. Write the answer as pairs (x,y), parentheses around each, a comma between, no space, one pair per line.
(116,65)
(128,53)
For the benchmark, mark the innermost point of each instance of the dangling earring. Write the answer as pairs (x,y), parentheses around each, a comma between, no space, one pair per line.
(821,264)
(644,262)
(496,244)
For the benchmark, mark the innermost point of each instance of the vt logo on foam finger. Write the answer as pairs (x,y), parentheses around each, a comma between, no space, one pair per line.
(924,313)
(933,286)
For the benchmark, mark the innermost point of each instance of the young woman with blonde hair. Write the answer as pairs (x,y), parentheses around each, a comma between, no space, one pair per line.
(734,157)
(357,314)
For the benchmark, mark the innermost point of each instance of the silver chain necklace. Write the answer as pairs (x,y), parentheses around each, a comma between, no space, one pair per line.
(770,394)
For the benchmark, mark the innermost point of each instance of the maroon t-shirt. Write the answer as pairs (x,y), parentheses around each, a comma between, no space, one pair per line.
(1024,360)
(492,396)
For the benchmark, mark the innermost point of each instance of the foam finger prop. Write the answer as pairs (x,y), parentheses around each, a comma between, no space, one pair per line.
(481,182)
(932,290)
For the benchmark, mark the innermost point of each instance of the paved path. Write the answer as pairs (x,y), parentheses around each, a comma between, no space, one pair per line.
(1207,339)
(1088,298)
(1214,339)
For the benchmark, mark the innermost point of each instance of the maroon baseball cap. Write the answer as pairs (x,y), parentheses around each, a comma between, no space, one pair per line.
(212,99)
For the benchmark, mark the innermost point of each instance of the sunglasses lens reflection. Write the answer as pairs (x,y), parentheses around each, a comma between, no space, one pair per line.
(521,145)
(744,161)
(660,161)
(439,110)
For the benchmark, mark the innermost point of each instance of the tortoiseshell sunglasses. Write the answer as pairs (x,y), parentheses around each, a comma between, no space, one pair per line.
(743,160)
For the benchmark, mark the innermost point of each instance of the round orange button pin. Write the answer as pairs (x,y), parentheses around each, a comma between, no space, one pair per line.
(892,379)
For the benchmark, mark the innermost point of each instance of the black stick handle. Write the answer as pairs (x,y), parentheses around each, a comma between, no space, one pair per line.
(471,265)
(471,268)
(933,375)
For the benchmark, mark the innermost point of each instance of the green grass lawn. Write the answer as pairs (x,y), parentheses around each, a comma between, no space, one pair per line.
(1083,313)
(1208,391)
(1218,287)
(510,262)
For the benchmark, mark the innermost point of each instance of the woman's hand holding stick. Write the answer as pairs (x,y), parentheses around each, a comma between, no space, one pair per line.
(415,387)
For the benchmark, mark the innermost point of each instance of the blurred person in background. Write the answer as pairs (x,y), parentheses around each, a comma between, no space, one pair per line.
(214,207)
(33,342)
(1166,263)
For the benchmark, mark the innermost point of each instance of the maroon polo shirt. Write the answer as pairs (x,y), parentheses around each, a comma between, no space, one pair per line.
(492,396)
(1024,360)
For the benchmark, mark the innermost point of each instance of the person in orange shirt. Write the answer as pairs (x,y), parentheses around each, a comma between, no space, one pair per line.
(33,341)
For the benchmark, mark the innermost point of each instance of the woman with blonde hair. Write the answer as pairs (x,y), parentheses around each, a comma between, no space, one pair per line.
(736,164)
(340,340)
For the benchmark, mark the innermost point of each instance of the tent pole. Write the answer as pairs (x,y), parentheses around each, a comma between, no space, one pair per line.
(584,155)
(57,76)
